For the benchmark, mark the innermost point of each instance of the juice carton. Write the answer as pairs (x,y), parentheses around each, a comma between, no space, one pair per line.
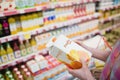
(68,52)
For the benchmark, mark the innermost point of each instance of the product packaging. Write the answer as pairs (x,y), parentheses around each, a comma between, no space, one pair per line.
(68,52)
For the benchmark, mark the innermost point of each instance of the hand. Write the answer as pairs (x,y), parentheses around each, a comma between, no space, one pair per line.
(82,73)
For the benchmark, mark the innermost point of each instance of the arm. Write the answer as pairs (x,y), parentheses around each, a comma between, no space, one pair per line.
(99,54)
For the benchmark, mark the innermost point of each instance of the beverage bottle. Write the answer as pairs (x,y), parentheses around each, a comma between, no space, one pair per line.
(3,55)
(30,22)
(28,47)
(10,52)
(20,4)
(12,24)
(18,23)
(23,49)
(24,23)
(1,30)
(20,77)
(35,20)
(16,50)
(33,44)
(28,76)
(5,26)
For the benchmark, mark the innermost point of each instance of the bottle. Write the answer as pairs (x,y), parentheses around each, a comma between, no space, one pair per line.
(5,26)
(33,44)
(18,23)
(20,4)
(1,30)
(12,24)
(23,49)
(24,24)
(20,77)
(10,52)
(29,76)
(3,55)
(29,3)
(28,47)
(35,20)
(16,50)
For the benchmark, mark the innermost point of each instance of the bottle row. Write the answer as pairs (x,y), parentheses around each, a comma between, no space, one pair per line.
(39,68)
(27,22)
(107,13)
(21,4)
(21,47)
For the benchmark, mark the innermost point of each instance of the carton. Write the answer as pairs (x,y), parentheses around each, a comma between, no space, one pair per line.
(68,52)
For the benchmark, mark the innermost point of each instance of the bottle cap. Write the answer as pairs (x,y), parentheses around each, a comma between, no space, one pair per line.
(20,77)
(18,73)
(15,69)
(28,74)
(25,69)
(23,66)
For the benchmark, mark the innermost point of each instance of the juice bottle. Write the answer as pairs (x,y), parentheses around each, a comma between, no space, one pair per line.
(29,3)
(5,26)
(28,47)
(18,23)
(20,4)
(35,20)
(1,30)
(30,22)
(16,50)
(28,76)
(10,52)
(12,24)
(23,49)
(24,23)
(33,44)
(4,56)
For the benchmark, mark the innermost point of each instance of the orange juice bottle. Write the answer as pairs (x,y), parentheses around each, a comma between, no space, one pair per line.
(4,56)
(10,52)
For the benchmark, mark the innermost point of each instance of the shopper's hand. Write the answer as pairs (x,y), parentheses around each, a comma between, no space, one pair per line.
(82,73)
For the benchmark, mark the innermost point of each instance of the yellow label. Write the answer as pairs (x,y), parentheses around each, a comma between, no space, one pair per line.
(27,36)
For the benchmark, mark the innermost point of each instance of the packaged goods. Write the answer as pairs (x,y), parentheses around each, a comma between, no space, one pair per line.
(68,52)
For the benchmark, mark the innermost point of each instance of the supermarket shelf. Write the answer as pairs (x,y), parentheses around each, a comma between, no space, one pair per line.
(109,18)
(19,60)
(109,28)
(45,7)
(82,37)
(109,7)
(51,27)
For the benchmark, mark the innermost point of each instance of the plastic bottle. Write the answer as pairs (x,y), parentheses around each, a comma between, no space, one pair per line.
(35,20)
(5,26)
(28,47)
(10,52)
(33,44)
(23,49)
(16,50)
(12,24)
(18,23)
(29,76)
(24,23)
(1,30)
(3,54)
(20,4)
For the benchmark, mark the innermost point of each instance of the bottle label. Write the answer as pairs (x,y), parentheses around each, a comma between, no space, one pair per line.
(13,28)
(34,48)
(0,61)
(17,54)
(29,50)
(4,58)
(11,56)
(23,52)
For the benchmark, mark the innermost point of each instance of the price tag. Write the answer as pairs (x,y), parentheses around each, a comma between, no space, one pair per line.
(3,40)
(27,36)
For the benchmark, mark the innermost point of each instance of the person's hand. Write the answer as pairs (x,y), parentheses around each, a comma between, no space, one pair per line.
(82,73)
